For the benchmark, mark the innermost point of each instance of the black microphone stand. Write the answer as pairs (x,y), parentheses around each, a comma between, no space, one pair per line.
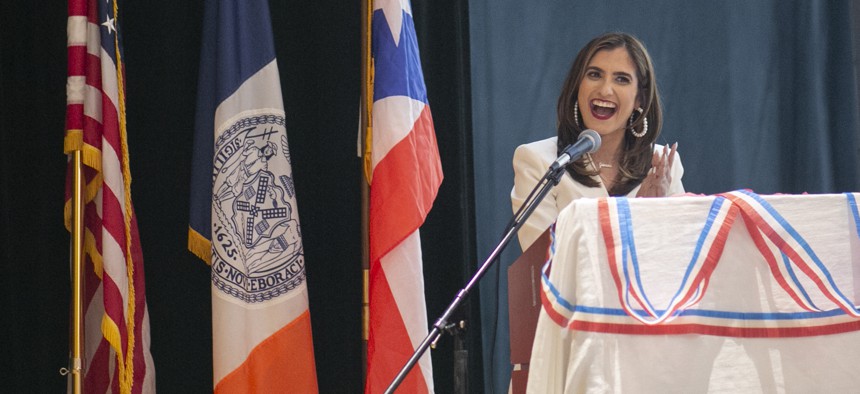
(549,180)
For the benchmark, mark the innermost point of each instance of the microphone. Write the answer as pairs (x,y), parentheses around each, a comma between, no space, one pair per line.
(588,142)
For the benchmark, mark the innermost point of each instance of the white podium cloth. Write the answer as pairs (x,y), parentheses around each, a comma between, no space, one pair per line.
(736,293)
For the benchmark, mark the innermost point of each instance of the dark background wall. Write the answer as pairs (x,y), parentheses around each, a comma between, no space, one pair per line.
(318,50)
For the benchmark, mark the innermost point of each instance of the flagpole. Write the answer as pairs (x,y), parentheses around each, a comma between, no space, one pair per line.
(366,105)
(77,269)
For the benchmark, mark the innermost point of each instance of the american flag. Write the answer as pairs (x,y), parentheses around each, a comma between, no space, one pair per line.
(116,322)
(406,174)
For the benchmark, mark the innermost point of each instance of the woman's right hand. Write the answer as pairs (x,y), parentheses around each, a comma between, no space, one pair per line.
(656,183)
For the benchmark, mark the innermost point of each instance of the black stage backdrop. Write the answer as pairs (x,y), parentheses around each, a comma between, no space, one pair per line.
(318,49)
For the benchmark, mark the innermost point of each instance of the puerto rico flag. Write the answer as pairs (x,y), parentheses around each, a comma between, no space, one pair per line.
(406,174)
(116,355)
(244,219)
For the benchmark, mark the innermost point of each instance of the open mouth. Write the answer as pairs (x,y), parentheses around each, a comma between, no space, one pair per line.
(602,109)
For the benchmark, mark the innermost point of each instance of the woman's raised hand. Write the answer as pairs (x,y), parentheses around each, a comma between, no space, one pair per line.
(656,183)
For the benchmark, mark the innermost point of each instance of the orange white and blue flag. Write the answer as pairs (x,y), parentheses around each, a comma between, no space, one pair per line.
(244,219)
(116,355)
(406,174)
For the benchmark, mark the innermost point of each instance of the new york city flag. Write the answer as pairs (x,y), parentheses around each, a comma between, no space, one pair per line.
(244,218)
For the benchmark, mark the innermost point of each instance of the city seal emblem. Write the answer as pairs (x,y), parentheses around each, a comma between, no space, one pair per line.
(256,239)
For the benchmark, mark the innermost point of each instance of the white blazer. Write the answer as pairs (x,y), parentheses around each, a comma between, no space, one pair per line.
(531,162)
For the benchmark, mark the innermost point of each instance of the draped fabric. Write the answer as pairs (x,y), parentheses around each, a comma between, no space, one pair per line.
(741,295)
(758,95)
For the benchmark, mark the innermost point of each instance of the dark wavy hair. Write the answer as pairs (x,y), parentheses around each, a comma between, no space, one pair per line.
(636,156)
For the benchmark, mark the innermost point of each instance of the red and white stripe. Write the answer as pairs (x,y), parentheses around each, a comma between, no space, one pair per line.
(116,321)
(406,176)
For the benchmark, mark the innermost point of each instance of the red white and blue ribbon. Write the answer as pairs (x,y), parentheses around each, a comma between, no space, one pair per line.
(762,218)
(624,265)
(790,258)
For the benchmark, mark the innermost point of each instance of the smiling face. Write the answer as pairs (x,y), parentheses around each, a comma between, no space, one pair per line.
(608,92)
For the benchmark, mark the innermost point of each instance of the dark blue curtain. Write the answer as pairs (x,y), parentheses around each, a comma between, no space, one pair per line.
(759,95)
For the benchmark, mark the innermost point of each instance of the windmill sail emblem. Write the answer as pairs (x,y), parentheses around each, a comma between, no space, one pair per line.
(257,209)
(256,237)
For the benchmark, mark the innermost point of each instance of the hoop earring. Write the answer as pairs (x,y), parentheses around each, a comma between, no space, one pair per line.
(644,125)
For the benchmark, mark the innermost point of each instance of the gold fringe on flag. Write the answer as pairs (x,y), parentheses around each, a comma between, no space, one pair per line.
(200,246)
(110,331)
(90,157)
(368,96)
(95,256)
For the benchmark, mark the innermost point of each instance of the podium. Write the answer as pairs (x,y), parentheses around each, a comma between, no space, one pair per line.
(729,293)
(524,307)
